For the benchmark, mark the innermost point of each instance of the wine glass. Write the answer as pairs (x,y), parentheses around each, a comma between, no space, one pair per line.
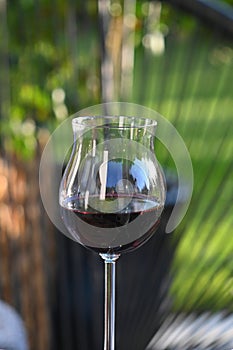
(112,193)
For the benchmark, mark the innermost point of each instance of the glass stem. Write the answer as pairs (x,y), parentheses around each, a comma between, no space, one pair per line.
(109,303)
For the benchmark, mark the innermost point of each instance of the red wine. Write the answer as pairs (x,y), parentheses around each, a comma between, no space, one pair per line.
(111,231)
(107,220)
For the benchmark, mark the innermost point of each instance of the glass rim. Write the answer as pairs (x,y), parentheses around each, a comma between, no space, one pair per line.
(131,122)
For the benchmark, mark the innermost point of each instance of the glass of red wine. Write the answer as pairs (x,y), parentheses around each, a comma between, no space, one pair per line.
(112,193)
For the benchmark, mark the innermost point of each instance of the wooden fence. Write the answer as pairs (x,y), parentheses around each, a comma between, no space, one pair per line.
(27,249)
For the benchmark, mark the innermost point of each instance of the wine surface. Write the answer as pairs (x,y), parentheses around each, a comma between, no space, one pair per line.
(123,224)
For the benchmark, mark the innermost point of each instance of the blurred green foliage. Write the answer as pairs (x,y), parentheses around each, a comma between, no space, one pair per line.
(46,51)
(56,45)
(191,84)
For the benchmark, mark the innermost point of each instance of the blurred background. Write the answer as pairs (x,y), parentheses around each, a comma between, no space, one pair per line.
(57,57)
